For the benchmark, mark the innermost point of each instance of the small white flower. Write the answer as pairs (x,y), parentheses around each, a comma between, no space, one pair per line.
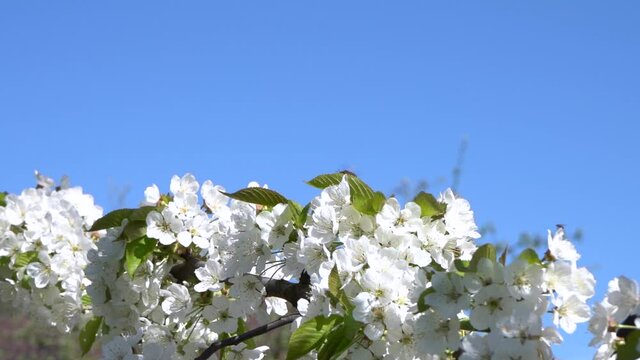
(177,299)
(209,277)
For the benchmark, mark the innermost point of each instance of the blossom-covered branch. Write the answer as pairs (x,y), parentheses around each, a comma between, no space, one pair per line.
(178,277)
(235,340)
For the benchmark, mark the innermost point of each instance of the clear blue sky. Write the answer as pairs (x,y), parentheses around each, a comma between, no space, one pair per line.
(547,93)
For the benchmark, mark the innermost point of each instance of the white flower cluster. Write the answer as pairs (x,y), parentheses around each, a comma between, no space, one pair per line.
(164,312)
(386,262)
(615,318)
(379,280)
(43,251)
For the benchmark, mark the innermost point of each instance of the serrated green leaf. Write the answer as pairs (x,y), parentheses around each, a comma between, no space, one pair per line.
(310,335)
(296,211)
(369,205)
(134,230)
(304,213)
(486,251)
(88,334)
(26,258)
(629,351)
(429,205)
(136,252)
(422,306)
(359,188)
(260,196)
(530,256)
(340,339)
(335,289)
(141,213)
(326,180)
(112,219)
(3,196)
(334,282)
(363,198)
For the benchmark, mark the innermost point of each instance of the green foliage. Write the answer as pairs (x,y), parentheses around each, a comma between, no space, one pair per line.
(112,219)
(336,293)
(429,205)
(310,335)
(26,258)
(3,202)
(422,306)
(258,195)
(340,339)
(136,252)
(88,334)
(140,214)
(629,351)
(326,180)
(530,256)
(369,205)
(134,230)
(363,198)
(486,251)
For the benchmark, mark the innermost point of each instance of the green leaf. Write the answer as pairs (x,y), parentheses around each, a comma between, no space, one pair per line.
(88,334)
(422,306)
(429,205)
(302,218)
(136,252)
(334,282)
(530,256)
(295,209)
(258,195)
(461,265)
(335,290)
(310,335)
(629,351)
(26,258)
(134,230)
(326,180)
(358,188)
(3,196)
(112,219)
(363,198)
(340,339)
(140,214)
(486,251)
(369,205)
(86,300)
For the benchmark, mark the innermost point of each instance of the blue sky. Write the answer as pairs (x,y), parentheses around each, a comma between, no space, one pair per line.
(125,94)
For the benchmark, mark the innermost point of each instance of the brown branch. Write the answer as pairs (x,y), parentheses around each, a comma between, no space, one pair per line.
(235,340)
(292,292)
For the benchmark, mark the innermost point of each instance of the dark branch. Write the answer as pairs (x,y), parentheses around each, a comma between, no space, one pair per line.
(235,340)
(292,292)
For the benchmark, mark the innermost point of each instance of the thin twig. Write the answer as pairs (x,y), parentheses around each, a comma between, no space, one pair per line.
(235,340)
